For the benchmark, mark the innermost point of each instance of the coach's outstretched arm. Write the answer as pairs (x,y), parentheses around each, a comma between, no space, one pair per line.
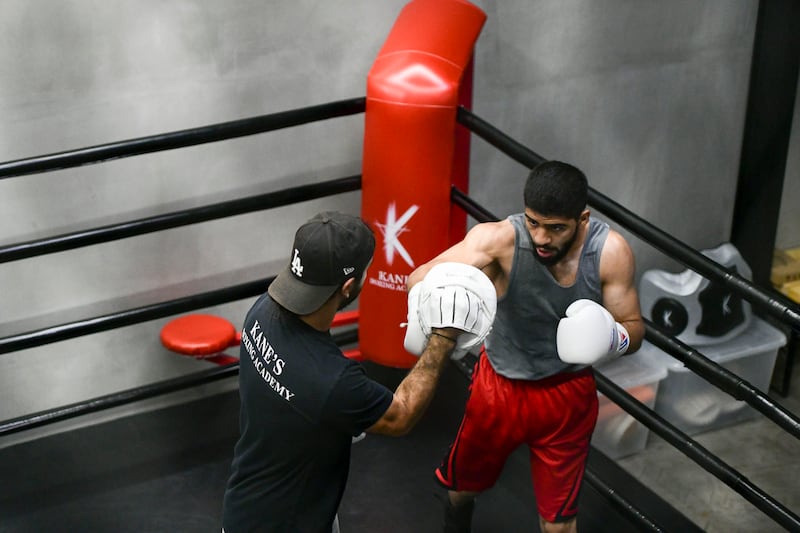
(449,313)
(414,393)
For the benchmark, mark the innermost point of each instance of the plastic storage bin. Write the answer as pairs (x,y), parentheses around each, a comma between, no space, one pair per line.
(694,405)
(617,433)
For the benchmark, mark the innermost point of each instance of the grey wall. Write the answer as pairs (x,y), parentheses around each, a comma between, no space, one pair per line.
(82,73)
(647,97)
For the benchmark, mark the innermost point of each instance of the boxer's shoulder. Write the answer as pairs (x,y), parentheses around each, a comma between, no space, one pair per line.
(493,238)
(616,257)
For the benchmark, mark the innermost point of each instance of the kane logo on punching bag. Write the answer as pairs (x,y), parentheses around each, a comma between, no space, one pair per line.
(392,229)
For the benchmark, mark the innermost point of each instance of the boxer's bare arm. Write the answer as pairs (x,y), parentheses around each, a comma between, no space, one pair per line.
(488,246)
(620,298)
(416,390)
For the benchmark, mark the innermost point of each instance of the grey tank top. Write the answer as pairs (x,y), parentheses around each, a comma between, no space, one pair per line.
(522,343)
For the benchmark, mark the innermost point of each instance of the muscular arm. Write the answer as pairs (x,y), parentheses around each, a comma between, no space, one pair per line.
(617,269)
(487,246)
(483,248)
(416,390)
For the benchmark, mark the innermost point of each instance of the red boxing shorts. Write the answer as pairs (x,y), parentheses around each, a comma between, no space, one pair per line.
(554,416)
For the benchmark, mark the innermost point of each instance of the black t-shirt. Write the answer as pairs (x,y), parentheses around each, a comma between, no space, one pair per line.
(302,401)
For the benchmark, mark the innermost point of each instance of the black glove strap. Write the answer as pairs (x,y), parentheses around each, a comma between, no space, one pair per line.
(444,336)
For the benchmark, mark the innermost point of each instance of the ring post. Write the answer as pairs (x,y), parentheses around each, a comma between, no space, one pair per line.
(414,151)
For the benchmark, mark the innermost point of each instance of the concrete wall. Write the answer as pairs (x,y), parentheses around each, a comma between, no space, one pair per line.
(647,97)
(82,73)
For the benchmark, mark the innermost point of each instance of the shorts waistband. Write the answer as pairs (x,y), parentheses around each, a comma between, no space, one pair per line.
(548,381)
(562,377)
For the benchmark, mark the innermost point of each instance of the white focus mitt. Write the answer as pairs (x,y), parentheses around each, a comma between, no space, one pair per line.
(451,295)
(589,335)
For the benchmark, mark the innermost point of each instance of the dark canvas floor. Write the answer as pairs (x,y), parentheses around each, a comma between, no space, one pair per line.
(166,470)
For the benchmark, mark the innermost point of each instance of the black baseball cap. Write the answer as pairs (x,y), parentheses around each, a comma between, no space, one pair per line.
(328,250)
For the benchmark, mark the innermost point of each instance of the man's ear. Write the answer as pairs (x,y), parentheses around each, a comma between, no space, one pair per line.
(347,287)
(584,216)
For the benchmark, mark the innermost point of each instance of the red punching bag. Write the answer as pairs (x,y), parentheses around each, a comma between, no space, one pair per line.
(413,151)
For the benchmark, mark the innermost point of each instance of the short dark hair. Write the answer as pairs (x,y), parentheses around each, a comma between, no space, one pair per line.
(556,189)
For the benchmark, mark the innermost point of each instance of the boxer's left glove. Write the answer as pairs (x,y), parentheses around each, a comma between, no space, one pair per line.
(452,295)
(589,335)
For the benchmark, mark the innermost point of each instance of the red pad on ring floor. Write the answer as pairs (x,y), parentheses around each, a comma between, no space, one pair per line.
(199,334)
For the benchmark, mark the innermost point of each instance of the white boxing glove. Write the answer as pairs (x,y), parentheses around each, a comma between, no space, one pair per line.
(452,295)
(589,335)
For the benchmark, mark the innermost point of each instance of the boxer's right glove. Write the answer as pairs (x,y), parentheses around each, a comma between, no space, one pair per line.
(452,295)
(589,335)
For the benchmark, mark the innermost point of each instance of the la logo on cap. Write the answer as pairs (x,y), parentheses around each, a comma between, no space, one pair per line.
(297,266)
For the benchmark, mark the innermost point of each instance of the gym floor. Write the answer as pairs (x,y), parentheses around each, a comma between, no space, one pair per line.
(165,470)
(758,449)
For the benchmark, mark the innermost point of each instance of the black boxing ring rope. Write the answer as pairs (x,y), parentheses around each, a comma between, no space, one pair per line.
(695,451)
(182,138)
(129,317)
(618,500)
(137,394)
(77,239)
(276,121)
(724,379)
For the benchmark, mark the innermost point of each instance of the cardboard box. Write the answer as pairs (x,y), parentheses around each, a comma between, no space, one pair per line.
(692,404)
(617,433)
(785,266)
(792,290)
(793,252)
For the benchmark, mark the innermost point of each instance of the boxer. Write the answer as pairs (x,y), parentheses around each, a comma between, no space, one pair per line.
(566,300)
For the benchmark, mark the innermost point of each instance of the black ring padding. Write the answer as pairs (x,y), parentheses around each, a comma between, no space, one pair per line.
(777,305)
(129,317)
(69,241)
(16,425)
(182,138)
(700,455)
(722,378)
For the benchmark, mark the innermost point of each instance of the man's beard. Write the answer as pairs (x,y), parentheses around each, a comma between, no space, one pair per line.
(559,254)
